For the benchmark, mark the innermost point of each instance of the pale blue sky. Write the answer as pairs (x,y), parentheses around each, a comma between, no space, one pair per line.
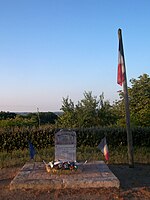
(51,49)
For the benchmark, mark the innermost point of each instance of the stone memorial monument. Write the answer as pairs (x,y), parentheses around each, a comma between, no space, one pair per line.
(95,175)
(65,146)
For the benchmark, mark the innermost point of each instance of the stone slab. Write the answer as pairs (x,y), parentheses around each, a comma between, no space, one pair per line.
(90,175)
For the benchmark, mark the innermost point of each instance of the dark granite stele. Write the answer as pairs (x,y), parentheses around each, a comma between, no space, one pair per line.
(33,175)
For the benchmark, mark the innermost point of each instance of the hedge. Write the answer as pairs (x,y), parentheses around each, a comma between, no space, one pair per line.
(17,138)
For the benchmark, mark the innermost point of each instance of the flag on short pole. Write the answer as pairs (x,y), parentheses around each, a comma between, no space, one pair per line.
(32,150)
(104,148)
(121,64)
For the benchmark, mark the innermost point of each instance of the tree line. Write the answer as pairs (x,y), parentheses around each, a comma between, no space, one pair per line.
(8,119)
(92,111)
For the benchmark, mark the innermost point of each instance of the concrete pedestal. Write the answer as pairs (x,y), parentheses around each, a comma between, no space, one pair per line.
(90,175)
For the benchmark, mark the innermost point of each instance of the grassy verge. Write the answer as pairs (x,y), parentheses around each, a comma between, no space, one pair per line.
(117,155)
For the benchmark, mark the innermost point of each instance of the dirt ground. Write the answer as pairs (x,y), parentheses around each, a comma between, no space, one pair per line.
(135,185)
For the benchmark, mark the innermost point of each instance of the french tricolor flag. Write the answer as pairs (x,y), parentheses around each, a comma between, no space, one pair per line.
(121,64)
(104,148)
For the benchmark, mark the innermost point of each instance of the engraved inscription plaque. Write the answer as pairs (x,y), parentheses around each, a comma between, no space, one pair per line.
(65,146)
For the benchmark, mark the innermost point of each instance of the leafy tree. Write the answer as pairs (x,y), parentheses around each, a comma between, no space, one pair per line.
(88,112)
(47,117)
(139,102)
(139,95)
(67,119)
(106,114)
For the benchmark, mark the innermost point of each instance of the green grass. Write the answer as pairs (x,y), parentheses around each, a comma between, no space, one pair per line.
(117,155)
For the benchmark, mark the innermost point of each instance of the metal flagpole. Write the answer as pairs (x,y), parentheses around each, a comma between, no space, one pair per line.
(126,100)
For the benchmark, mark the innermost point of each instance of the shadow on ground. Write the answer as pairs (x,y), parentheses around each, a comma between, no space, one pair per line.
(136,177)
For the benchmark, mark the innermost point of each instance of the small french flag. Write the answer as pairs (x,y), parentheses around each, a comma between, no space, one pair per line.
(104,148)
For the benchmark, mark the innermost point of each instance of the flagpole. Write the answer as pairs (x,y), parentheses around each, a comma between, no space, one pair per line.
(126,100)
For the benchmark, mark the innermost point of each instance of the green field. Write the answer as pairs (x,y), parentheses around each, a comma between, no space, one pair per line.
(117,155)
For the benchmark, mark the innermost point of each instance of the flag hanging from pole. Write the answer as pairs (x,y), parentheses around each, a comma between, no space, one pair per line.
(121,64)
(104,148)
(122,79)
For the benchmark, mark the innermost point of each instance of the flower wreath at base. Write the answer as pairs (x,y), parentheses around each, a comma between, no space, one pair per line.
(61,165)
